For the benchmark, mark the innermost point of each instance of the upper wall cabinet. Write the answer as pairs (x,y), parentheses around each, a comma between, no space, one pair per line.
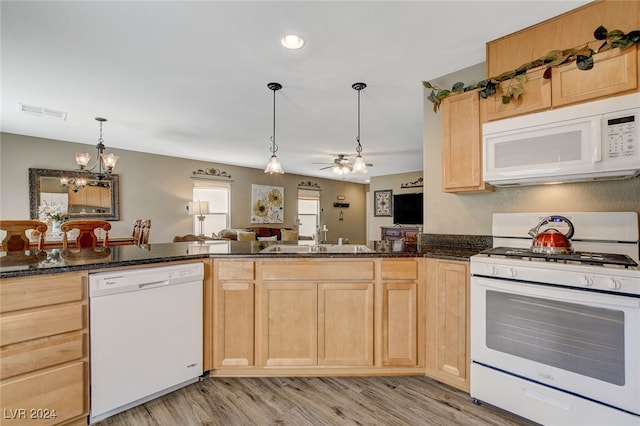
(570,29)
(615,72)
(537,98)
(462,143)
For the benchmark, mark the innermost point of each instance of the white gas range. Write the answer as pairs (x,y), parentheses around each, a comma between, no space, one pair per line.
(555,338)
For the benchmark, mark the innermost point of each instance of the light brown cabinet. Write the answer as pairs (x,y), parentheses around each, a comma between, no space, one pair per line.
(95,196)
(233,310)
(447,335)
(44,349)
(300,316)
(571,29)
(402,312)
(462,143)
(614,72)
(316,312)
(537,97)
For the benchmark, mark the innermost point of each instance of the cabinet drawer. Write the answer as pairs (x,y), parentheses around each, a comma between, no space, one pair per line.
(31,292)
(334,269)
(399,270)
(392,232)
(41,353)
(536,97)
(614,71)
(60,392)
(235,270)
(21,327)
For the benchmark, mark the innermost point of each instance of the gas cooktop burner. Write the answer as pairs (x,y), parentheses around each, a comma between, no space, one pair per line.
(587,258)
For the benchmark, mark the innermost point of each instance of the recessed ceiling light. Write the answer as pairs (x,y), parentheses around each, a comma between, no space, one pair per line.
(292,41)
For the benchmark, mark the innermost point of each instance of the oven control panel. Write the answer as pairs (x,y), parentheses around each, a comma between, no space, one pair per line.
(611,280)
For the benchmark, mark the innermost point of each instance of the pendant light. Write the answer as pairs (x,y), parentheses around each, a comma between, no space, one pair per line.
(274,166)
(108,161)
(359,166)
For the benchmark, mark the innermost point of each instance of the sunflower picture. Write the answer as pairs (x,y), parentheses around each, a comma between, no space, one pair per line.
(267,204)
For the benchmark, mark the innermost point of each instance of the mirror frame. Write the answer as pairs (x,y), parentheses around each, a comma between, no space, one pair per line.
(34,192)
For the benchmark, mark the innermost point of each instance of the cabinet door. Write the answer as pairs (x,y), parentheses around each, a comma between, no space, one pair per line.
(447,322)
(536,97)
(399,323)
(461,143)
(614,72)
(93,195)
(234,324)
(345,324)
(289,324)
(233,313)
(78,198)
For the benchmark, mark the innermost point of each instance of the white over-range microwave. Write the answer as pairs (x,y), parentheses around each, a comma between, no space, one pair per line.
(599,140)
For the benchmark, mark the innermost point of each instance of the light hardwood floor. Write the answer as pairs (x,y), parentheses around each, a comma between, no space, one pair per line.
(300,401)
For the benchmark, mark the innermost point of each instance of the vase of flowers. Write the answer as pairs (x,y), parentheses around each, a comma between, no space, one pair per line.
(53,214)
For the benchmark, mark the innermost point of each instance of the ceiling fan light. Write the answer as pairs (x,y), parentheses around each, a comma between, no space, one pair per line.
(274,166)
(359,165)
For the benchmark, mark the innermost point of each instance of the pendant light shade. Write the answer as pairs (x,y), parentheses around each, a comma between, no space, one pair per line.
(359,166)
(103,161)
(274,166)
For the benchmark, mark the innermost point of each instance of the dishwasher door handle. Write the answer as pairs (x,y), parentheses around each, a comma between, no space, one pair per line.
(153,284)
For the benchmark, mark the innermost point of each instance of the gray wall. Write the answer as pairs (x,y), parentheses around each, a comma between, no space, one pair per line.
(158,187)
(394,183)
(472,213)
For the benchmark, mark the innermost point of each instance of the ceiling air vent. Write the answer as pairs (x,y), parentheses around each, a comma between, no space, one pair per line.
(42,112)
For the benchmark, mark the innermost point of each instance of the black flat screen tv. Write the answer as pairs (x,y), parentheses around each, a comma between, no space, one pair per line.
(407,209)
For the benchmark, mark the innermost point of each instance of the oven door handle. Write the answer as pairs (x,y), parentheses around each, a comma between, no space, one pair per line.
(556,293)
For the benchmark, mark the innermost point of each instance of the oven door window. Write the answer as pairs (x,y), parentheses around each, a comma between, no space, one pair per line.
(583,339)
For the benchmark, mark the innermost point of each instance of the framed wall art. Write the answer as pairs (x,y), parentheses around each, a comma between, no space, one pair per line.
(382,202)
(267,204)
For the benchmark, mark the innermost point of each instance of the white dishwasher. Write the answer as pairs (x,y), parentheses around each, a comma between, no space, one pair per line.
(145,333)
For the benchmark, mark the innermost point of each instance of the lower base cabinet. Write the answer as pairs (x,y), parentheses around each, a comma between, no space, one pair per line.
(318,316)
(44,350)
(448,358)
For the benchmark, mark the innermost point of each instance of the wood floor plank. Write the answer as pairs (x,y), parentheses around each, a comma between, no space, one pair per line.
(299,401)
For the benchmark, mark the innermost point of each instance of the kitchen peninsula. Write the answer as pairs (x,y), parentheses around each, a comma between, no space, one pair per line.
(331,314)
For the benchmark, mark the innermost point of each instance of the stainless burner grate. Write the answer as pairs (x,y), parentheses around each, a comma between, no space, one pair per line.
(587,258)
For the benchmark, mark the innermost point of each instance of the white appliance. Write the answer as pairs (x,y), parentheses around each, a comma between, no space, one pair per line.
(599,140)
(146,335)
(554,338)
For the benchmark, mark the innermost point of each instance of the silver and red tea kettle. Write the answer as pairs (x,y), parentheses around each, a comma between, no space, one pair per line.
(552,241)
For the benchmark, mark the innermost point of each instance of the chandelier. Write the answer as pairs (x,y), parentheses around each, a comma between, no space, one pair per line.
(73,184)
(274,165)
(103,161)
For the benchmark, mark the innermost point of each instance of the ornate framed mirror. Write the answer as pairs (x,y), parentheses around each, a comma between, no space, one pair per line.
(93,199)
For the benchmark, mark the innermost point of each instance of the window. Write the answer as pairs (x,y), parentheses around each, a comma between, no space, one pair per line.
(218,194)
(308,212)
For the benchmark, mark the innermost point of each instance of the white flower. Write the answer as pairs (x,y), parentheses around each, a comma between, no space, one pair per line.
(47,212)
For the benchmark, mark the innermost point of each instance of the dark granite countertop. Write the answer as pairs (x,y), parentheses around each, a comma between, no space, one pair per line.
(58,260)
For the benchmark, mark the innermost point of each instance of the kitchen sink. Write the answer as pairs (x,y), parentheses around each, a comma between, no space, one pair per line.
(320,248)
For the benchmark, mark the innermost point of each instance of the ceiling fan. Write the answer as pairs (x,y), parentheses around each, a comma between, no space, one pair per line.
(341,165)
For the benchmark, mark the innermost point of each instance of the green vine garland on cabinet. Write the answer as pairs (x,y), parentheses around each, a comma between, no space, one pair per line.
(582,56)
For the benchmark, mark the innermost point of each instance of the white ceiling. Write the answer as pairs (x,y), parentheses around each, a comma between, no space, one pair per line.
(189,79)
